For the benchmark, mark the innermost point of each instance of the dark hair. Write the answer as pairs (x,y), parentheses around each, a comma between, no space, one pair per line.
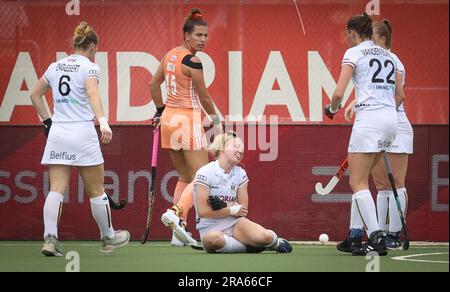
(194,18)
(83,36)
(362,24)
(384,29)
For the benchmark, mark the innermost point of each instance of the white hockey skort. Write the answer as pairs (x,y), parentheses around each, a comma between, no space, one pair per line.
(404,140)
(74,143)
(373,131)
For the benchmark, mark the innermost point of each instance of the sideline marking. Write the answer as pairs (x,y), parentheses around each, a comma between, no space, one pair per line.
(406,258)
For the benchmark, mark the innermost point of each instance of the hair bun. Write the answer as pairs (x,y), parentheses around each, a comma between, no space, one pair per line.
(82,29)
(195,14)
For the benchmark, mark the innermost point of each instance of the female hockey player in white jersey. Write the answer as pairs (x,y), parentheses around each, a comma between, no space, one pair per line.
(221,204)
(72,139)
(402,147)
(378,94)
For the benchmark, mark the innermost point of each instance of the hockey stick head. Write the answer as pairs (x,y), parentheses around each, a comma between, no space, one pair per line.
(406,244)
(319,188)
(197,247)
(328,188)
(116,206)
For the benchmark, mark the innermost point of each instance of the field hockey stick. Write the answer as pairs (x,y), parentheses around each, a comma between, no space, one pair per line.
(151,193)
(116,206)
(197,247)
(399,207)
(334,180)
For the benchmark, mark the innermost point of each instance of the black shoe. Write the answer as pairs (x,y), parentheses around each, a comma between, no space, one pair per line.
(392,241)
(284,246)
(350,244)
(376,244)
(254,249)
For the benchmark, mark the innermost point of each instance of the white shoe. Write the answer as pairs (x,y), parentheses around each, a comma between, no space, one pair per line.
(51,247)
(109,245)
(174,222)
(176,242)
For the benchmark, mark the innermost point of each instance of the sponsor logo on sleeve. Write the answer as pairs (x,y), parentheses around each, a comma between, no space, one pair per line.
(202,178)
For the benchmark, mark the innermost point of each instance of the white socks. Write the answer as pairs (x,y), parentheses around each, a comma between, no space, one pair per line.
(356,221)
(394,217)
(102,215)
(364,202)
(275,242)
(232,246)
(383,210)
(52,213)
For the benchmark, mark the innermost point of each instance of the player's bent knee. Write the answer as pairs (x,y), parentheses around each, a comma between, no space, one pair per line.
(266,238)
(94,190)
(213,240)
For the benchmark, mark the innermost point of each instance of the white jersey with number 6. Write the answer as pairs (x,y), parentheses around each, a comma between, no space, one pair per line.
(67,79)
(373,76)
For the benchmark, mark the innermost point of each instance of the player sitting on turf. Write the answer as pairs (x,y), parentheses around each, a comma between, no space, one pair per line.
(221,204)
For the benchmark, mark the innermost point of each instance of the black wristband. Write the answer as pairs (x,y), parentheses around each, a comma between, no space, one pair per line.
(47,125)
(47,122)
(160,110)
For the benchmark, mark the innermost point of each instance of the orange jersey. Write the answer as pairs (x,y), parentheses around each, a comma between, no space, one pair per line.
(181,93)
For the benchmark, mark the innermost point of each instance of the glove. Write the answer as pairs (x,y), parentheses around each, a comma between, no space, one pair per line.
(47,125)
(157,116)
(216,203)
(329,112)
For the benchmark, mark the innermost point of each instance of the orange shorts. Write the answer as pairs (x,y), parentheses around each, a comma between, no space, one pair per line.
(182,129)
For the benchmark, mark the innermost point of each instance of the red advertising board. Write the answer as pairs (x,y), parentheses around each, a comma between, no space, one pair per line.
(262,57)
(281,188)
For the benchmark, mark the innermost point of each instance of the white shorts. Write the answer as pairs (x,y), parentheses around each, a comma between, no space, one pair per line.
(226,228)
(74,143)
(404,141)
(373,131)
